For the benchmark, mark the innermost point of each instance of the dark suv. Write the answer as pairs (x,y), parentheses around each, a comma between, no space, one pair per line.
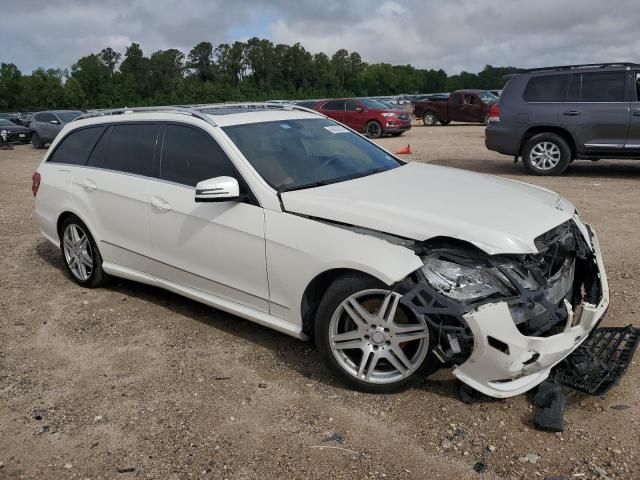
(555,115)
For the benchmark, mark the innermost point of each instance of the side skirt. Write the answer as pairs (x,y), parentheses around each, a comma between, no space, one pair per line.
(261,318)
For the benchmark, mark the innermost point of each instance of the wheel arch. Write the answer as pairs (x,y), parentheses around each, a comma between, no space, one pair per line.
(315,290)
(562,132)
(68,213)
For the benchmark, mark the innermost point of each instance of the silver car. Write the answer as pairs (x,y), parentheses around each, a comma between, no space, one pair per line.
(45,126)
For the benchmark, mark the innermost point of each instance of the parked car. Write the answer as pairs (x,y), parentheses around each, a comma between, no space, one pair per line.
(497,93)
(460,106)
(366,116)
(552,116)
(12,133)
(12,117)
(46,125)
(289,219)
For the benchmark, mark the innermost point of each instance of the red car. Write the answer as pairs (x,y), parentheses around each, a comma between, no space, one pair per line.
(366,115)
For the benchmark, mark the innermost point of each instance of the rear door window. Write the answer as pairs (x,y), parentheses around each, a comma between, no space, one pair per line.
(46,117)
(76,147)
(547,88)
(131,148)
(190,155)
(603,87)
(334,105)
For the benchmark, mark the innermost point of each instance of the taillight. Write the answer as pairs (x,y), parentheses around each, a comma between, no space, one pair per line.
(35,179)
(494,113)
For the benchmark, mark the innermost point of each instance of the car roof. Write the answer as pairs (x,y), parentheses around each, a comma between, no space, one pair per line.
(582,68)
(219,115)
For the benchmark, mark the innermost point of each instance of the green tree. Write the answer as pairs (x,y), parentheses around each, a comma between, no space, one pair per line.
(74,96)
(10,86)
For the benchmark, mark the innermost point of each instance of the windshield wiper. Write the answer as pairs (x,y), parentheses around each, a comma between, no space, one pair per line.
(321,183)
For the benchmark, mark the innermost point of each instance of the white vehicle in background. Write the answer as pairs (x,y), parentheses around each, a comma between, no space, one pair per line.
(284,217)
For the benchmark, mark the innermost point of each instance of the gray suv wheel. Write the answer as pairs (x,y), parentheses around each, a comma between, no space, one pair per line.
(546,154)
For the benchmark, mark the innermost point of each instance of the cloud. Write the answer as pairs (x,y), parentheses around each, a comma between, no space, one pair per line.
(455,34)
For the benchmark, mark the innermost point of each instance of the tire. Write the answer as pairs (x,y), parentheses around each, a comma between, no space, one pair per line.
(80,254)
(371,363)
(36,141)
(445,122)
(430,119)
(546,154)
(373,129)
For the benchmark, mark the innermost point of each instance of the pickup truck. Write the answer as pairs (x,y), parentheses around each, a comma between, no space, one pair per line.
(460,106)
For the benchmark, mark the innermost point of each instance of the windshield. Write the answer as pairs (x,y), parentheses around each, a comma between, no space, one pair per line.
(6,123)
(66,117)
(488,97)
(295,154)
(374,104)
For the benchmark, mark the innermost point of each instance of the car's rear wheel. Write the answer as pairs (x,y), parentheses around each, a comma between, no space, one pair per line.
(429,119)
(82,259)
(368,339)
(36,141)
(546,154)
(373,129)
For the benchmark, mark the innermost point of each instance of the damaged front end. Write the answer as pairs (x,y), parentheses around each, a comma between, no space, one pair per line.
(503,321)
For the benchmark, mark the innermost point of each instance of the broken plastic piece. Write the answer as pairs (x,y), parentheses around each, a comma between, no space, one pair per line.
(599,363)
(550,404)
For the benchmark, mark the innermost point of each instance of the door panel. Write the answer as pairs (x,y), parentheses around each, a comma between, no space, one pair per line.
(633,137)
(334,109)
(597,111)
(215,247)
(116,203)
(353,118)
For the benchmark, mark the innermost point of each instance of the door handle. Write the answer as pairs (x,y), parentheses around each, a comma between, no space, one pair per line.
(160,204)
(572,113)
(90,184)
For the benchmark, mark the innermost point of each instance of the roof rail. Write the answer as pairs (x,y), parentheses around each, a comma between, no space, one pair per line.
(173,109)
(198,111)
(252,105)
(584,65)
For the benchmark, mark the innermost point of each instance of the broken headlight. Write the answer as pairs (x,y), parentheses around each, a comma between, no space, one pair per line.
(465,283)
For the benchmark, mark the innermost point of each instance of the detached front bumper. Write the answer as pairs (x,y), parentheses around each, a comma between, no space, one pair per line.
(504,362)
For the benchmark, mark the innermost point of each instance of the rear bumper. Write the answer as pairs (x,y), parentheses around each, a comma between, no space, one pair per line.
(502,140)
(528,360)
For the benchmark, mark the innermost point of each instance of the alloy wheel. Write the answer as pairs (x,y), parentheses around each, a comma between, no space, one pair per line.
(545,155)
(375,340)
(374,130)
(77,252)
(429,119)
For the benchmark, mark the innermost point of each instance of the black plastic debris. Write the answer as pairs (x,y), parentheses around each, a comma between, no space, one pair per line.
(599,363)
(480,467)
(550,404)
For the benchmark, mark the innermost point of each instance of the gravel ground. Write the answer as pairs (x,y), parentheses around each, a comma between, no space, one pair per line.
(131,381)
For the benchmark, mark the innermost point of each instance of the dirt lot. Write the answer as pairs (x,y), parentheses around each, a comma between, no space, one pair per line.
(131,381)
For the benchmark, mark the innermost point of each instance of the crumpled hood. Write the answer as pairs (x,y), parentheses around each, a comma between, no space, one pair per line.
(421,201)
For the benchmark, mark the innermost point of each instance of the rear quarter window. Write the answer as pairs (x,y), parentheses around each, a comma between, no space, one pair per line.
(547,88)
(76,147)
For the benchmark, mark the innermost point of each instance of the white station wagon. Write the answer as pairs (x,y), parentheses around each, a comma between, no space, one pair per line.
(282,216)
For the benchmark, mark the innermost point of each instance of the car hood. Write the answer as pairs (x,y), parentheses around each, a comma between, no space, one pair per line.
(419,202)
(14,128)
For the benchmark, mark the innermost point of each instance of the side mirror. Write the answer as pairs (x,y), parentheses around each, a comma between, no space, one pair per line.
(359,109)
(54,122)
(218,189)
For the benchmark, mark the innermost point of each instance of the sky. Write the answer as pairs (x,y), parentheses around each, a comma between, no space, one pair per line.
(454,35)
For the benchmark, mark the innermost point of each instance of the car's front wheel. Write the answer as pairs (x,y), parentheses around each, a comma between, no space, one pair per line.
(82,259)
(368,339)
(36,141)
(546,154)
(373,129)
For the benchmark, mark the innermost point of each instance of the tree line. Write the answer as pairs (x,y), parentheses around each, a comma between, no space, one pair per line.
(252,70)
